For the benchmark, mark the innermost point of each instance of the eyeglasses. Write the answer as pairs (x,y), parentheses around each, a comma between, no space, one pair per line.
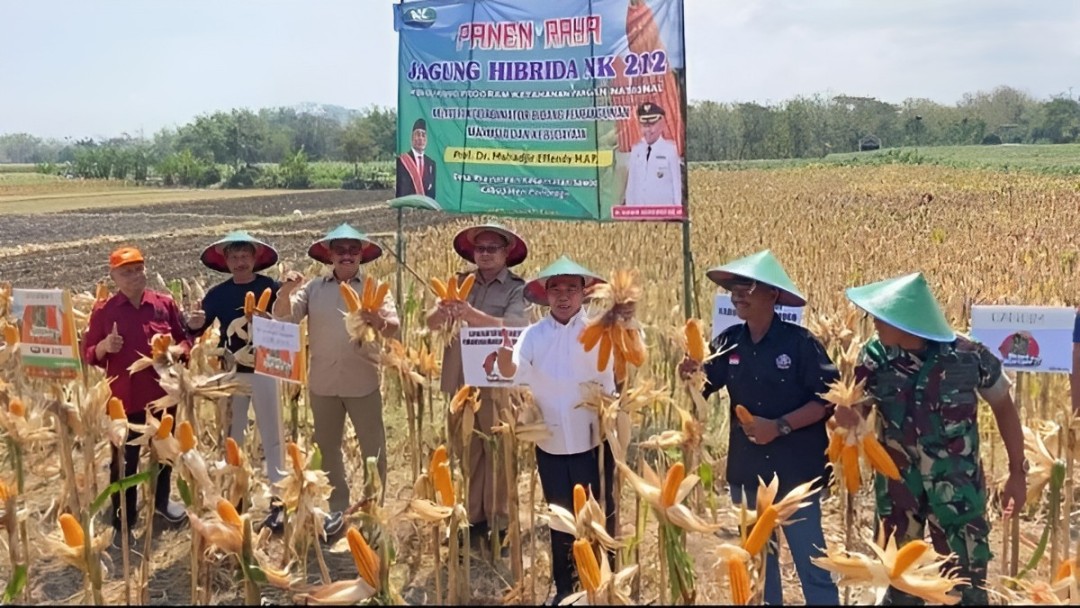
(343,249)
(743,292)
(489,248)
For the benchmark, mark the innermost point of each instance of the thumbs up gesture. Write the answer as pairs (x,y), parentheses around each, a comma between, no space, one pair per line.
(196,319)
(111,344)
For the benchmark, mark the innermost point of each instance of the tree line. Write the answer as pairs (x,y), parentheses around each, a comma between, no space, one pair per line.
(273,147)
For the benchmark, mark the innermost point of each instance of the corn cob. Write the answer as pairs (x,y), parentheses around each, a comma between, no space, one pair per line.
(227,512)
(186,434)
(352,300)
(249,304)
(296,458)
(1065,570)
(590,336)
(6,491)
(836,443)
(160,344)
(739,580)
(380,295)
(367,561)
(465,287)
(620,365)
(762,530)
(16,407)
(879,458)
(907,555)
(604,356)
(165,428)
(675,476)
(438,457)
(849,461)
(695,343)
(116,409)
(11,335)
(439,287)
(743,414)
(232,452)
(439,471)
(102,292)
(73,531)
(368,293)
(264,300)
(587,566)
(452,288)
(579,498)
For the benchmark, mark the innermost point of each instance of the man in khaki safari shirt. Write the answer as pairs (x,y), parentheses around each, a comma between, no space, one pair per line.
(496,299)
(341,378)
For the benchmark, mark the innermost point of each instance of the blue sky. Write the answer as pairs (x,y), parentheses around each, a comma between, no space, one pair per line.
(98,68)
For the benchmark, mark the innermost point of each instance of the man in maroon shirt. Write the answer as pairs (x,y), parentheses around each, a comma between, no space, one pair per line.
(119,334)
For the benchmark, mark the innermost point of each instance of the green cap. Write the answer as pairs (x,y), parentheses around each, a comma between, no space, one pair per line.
(763,268)
(213,257)
(320,249)
(516,249)
(907,304)
(536,289)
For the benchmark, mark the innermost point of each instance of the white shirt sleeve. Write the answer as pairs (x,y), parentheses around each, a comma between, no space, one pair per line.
(523,356)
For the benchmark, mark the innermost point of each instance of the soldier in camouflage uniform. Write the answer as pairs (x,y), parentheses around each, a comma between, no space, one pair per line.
(925,380)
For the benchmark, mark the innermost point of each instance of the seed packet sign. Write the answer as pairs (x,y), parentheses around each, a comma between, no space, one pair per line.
(543,108)
(1026,338)
(48,347)
(278,350)
(479,347)
(724,314)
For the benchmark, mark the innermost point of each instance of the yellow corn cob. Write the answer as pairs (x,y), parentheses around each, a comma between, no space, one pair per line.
(675,476)
(166,427)
(836,443)
(6,491)
(16,407)
(739,580)
(439,287)
(352,300)
(444,485)
(380,295)
(11,335)
(249,304)
(907,556)
(620,365)
(116,409)
(368,293)
(227,512)
(590,336)
(635,352)
(159,344)
(587,566)
(451,288)
(73,531)
(879,458)
(579,498)
(466,286)
(762,530)
(264,300)
(604,356)
(743,414)
(1065,570)
(849,461)
(460,397)
(186,434)
(102,292)
(367,561)
(695,343)
(296,458)
(438,457)
(232,452)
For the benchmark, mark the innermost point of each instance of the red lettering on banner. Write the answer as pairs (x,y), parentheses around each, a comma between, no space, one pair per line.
(496,36)
(572,31)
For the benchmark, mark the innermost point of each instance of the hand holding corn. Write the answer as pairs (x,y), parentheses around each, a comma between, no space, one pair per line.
(197,318)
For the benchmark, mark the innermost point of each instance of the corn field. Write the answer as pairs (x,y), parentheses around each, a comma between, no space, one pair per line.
(979,237)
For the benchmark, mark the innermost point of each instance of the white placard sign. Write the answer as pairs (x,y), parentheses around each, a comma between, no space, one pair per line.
(275,335)
(479,347)
(724,314)
(1026,338)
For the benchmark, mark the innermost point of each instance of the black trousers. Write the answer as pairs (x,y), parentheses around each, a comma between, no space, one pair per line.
(131,466)
(558,475)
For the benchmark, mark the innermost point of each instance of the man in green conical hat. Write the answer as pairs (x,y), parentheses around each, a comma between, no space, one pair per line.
(925,381)
(776,370)
(244,257)
(343,379)
(496,299)
(549,359)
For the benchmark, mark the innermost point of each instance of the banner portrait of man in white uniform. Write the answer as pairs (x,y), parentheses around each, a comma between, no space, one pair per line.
(654,169)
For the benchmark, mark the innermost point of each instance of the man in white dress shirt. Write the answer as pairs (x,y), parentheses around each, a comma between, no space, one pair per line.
(654,172)
(549,359)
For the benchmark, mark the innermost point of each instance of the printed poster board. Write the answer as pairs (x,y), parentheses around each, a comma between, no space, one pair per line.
(48,347)
(1027,338)
(479,347)
(279,351)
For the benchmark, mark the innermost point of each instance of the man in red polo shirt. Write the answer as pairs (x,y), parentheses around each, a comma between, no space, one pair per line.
(119,334)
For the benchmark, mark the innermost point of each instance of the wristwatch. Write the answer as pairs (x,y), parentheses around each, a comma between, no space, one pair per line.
(783,426)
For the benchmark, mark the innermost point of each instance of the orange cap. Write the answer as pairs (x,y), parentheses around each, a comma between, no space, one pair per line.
(124,256)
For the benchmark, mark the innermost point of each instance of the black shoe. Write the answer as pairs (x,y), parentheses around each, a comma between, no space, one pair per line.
(173,513)
(501,542)
(333,524)
(275,519)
